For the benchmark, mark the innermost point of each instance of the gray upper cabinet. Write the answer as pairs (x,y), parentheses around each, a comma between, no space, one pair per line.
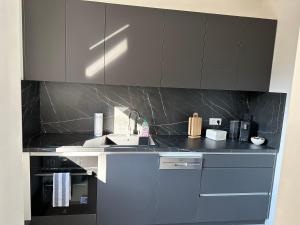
(85,25)
(183,42)
(221,52)
(256,54)
(133,46)
(238,53)
(44,40)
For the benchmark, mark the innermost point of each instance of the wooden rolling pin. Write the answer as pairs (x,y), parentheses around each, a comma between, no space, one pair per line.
(195,126)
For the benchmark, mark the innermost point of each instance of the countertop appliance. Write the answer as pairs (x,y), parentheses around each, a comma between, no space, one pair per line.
(83,171)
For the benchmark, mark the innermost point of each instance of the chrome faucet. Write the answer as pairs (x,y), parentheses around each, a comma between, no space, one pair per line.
(131,112)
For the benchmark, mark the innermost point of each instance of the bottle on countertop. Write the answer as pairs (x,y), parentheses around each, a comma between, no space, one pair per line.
(98,124)
(145,129)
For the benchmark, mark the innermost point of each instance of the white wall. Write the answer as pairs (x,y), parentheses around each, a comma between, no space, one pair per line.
(288,14)
(287,212)
(11,202)
(250,8)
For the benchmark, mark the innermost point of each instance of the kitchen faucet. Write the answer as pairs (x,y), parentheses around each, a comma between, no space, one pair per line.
(135,131)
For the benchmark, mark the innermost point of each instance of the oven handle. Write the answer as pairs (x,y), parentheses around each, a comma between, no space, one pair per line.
(88,173)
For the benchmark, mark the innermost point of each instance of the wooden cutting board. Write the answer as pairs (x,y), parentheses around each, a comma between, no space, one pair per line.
(195,126)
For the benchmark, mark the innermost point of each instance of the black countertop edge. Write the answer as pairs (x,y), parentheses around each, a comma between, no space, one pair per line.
(164,143)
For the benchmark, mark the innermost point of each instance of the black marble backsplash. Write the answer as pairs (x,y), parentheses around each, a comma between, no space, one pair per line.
(69,108)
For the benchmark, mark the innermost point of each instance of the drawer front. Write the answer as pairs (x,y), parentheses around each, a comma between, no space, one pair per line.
(87,219)
(236,180)
(233,208)
(238,160)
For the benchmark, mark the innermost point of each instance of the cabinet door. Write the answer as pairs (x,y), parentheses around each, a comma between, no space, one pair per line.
(256,54)
(236,180)
(221,52)
(177,197)
(127,196)
(182,49)
(85,25)
(44,40)
(133,47)
(233,208)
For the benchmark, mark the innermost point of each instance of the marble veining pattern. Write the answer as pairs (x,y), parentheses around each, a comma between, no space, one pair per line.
(69,108)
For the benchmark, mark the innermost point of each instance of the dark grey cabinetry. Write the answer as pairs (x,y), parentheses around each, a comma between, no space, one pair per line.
(256,54)
(133,46)
(221,52)
(177,196)
(238,53)
(44,40)
(85,28)
(233,208)
(183,42)
(235,187)
(127,195)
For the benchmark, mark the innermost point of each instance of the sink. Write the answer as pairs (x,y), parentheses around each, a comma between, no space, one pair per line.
(118,139)
(98,142)
(130,140)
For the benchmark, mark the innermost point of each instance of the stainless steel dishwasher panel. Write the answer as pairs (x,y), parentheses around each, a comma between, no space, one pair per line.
(180,163)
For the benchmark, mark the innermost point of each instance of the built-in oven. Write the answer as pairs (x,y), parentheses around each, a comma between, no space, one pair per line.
(83,184)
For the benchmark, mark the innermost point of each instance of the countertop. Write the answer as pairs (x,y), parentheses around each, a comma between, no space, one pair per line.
(164,143)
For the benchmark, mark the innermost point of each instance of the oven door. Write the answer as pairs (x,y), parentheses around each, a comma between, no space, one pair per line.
(83,185)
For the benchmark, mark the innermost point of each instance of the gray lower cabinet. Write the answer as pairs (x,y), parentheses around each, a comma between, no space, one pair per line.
(133,46)
(85,33)
(128,194)
(235,187)
(44,40)
(233,208)
(183,42)
(177,196)
(138,189)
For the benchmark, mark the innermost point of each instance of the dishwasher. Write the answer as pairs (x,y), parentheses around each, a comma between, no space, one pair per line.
(178,189)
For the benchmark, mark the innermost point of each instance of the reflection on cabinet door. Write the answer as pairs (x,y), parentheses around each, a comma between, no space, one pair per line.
(85,27)
(221,51)
(133,47)
(44,40)
(183,42)
(256,54)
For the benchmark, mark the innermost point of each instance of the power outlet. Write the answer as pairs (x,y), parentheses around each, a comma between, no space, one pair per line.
(215,121)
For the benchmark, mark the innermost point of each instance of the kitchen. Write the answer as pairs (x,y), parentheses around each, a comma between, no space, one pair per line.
(147,70)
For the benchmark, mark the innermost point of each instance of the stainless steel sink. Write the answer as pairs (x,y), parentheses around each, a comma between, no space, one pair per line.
(116,139)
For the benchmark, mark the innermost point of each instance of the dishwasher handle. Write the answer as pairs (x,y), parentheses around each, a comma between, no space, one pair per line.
(175,163)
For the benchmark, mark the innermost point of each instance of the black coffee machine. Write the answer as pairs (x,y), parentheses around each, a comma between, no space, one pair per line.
(245,128)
